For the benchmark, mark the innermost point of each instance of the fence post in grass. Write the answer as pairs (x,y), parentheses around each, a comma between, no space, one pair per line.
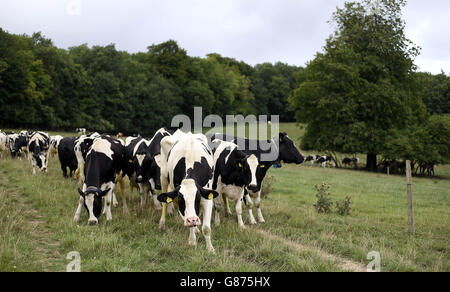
(409,194)
(388,170)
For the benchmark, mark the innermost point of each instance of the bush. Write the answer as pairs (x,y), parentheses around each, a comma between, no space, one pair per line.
(324,203)
(343,207)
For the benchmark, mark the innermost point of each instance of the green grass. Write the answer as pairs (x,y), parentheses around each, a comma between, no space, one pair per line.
(37,229)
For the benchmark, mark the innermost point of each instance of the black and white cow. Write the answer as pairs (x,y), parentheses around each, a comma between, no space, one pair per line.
(311,159)
(234,171)
(18,143)
(37,151)
(66,155)
(349,161)
(144,160)
(285,152)
(325,161)
(186,178)
(104,163)
(80,131)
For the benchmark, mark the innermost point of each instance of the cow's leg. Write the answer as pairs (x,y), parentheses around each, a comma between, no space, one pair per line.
(227,205)
(122,193)
(239,210)
(162,221)
(143,194)
(249,204)
(217,209)
(170,208)
(258,208)
(206,228)
(77,216)
(192,237)
(108,205)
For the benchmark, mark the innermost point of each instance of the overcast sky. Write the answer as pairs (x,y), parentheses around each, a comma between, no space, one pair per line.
(254,31)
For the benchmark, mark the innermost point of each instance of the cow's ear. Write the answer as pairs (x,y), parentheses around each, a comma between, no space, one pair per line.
(209,194)
(282,136)
(103,193)
(81,193)
(168,197)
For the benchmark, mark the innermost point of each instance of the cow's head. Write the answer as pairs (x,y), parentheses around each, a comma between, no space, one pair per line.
(288,152)
(247,166)
(143,163)
(92,200)
(189,195)
(17,143)
(41,158)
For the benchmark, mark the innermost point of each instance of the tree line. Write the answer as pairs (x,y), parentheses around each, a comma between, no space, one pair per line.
(103,89)
(362,94)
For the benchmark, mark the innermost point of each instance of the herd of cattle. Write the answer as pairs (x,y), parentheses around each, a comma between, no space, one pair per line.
(197,173)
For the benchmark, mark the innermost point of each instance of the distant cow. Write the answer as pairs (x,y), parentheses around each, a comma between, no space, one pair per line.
(286,152)
(80,131)
(311,159)
(104,163)
(325,161)
(234,171)
(66,155)
(37,151)
(186,178)
(351,161)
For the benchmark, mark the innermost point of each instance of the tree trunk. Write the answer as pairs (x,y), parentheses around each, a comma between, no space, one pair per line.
(371,162)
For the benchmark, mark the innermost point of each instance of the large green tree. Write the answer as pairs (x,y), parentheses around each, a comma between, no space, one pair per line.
(361,88)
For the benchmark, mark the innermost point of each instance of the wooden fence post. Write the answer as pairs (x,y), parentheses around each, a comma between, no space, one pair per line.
(410,199)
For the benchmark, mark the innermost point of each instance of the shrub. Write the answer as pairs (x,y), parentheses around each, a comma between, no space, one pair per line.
(343,207)
(324,203)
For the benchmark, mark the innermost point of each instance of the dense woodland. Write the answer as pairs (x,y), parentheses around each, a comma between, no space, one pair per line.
(103,89)
(362,94)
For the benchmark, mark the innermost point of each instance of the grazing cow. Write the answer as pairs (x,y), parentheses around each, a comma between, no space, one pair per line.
(286,152)
(104,164)
(325,161)
(189,169)
(54,142)
(37,151)
(80,131)
(311,159)
(234,171)
(18,143)
(67,157)
(351,161)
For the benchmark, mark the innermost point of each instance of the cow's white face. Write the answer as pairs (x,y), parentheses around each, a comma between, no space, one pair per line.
(188,195)
(253,165)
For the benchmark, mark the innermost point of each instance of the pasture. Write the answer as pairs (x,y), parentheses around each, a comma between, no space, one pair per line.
(37,229)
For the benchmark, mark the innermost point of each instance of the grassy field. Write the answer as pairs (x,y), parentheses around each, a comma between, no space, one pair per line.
(37,229)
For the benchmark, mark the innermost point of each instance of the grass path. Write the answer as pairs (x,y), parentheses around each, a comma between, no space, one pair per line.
(26,241)
(345,264)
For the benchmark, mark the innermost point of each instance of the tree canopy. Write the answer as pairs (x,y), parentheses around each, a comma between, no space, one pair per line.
(362,88)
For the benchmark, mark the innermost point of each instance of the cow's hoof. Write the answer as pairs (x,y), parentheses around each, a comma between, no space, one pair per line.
(242,226)
(262,222)
(253,223)
(193,242)
(211,250)
(229,214)
(162,226)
